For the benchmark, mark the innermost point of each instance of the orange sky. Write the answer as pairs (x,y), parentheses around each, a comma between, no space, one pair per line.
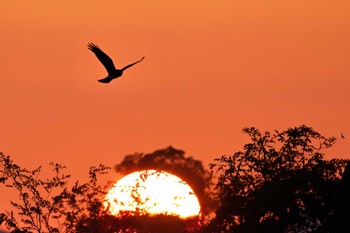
(211,68)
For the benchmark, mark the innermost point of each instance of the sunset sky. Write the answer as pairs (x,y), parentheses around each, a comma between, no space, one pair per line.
(211,69)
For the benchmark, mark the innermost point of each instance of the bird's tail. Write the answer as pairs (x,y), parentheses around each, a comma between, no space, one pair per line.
(105,80)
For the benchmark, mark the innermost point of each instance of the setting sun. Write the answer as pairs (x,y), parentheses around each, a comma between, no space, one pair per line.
(152,192)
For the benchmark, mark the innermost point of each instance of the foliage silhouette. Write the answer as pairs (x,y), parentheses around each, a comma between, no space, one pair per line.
(145,224)
(280,182)
(50,205)
(175,162)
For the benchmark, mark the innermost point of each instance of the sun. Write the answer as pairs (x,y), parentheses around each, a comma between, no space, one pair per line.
(152,192)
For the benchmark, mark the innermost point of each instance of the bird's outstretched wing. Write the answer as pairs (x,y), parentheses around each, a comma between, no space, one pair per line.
(130,65)
(104,58)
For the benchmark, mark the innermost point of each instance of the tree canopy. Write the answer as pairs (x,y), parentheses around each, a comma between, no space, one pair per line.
(51,204)
(56,205)
(280,182)
(174,161)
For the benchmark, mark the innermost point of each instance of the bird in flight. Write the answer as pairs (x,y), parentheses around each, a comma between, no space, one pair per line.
(107,62)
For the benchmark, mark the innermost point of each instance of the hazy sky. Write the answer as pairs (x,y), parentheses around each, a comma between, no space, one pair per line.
(211,68)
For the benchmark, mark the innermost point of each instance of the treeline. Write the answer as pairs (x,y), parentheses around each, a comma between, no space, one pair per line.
(278,182)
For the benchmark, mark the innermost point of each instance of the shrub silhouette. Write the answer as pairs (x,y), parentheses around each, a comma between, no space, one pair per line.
(51,204)
(175,162)
(280,182)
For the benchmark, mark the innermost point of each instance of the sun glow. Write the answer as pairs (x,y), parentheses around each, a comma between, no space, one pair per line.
(152,192)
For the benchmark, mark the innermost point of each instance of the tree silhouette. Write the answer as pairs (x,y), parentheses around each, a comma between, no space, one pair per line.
(339,221)
(175,162)
(51,204)
(55,205)
(280,182)
(147,224)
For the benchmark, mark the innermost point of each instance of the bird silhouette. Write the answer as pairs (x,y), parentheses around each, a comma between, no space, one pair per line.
(107,62)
